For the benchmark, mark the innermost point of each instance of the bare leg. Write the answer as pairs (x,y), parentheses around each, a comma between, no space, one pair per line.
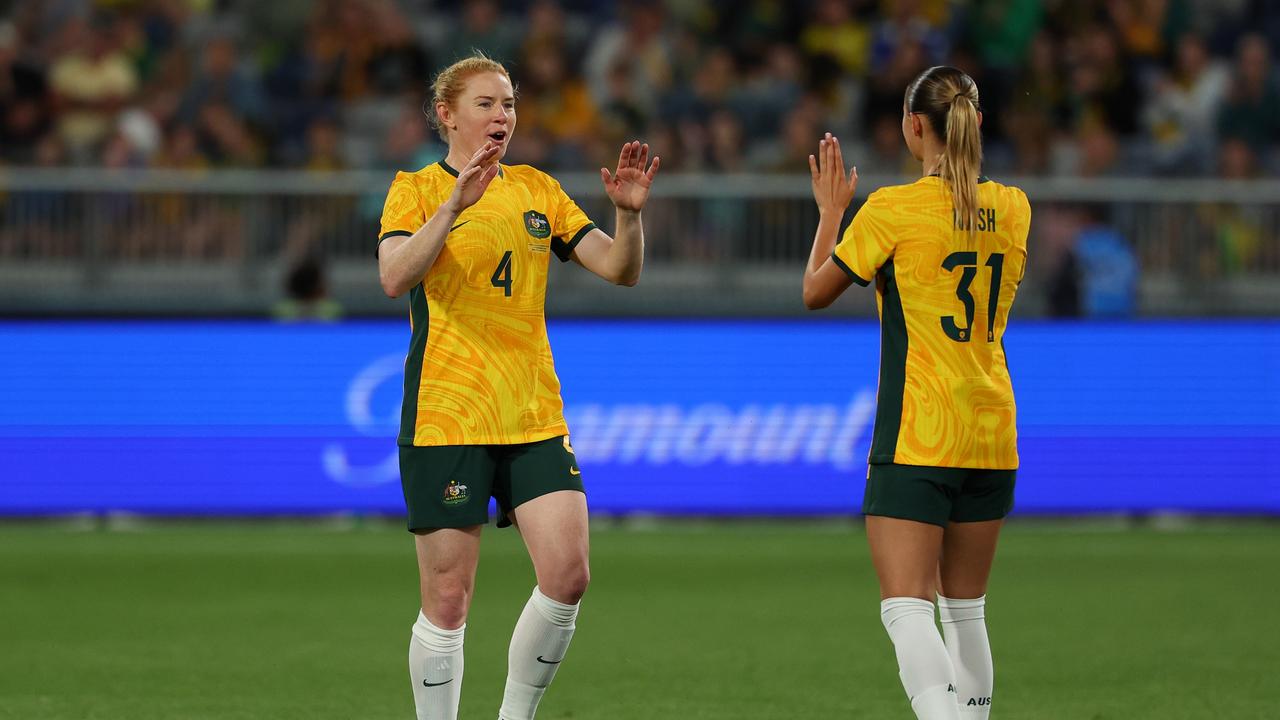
(968,550)
(905,554)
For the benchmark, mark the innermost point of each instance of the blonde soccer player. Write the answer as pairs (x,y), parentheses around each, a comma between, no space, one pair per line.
(469,239)
(946,254)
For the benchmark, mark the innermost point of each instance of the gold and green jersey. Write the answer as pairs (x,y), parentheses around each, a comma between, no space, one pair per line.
(945,397)
(479,369)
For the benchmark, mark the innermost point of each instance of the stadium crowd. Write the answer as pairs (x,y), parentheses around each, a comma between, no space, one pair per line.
(1072,87)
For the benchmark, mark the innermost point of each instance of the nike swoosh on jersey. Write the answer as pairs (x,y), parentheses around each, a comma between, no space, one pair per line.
(455,227)
(431,684)
(549,662)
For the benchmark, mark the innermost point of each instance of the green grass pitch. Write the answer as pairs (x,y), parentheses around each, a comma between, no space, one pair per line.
(683,621)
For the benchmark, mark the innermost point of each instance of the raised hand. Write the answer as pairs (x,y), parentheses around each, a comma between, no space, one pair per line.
(831,189)
(628,186)
(474,179)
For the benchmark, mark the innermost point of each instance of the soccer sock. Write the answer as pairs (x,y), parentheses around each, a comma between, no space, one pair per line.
(435,667)
(538,645)
(923,663)
(965,630)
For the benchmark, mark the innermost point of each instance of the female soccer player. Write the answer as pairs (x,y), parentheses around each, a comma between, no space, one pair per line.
(469,239)
(947,253)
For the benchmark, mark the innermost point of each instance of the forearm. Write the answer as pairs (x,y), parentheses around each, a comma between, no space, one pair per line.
(626,255)
(824,241)
(404,266)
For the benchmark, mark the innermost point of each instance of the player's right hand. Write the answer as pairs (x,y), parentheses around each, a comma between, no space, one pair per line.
(831,189)
(474,179)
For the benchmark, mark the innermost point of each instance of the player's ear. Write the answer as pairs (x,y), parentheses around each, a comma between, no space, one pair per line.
(979,118)
(917,127)
(445,115)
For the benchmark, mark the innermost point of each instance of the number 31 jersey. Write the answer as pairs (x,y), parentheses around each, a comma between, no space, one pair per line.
(479,369)
(945,396)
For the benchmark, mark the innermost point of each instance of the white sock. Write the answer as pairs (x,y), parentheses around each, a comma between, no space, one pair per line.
(435,667)
(923,663)
(538,645)
(965,630)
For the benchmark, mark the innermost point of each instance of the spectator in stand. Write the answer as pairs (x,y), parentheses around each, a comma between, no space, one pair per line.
(769,90)
(225,138)
(1102,87)
(323,138)
(907,24)
(548,25)
(1001,33)
(711,89)
(641,46)
(1252,110)
(1048,69)
(407,144)
(91,81)
(482,26)
(221,78)
(556,102)
(1141,26)
(620,115)
(1037,107)
(835,32)
(396,63)
(24,113)
(1181,118)
(790,151)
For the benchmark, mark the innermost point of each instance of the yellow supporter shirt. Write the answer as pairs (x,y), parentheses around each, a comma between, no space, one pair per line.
(945,396)
(479,369)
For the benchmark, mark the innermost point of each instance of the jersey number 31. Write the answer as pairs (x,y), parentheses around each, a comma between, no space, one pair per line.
(968,263)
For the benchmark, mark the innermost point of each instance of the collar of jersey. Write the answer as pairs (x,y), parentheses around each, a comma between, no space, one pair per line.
(981,178)
(449,169)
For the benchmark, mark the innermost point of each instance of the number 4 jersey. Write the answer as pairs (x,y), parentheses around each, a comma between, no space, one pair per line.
(479,369)
(944,294)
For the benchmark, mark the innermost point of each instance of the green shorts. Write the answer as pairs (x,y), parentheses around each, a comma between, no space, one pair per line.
(938,495)
(449,486)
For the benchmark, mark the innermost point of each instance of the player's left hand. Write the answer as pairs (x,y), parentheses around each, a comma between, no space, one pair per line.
(628,186)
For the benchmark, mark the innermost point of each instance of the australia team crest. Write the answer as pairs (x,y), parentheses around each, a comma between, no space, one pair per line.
(537,224)
(456,493)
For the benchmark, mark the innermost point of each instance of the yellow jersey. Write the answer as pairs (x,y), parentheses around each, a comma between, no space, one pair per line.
(945,397)
(479,369)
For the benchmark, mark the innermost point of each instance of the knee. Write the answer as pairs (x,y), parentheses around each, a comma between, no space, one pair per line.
(446,602)
(569,583)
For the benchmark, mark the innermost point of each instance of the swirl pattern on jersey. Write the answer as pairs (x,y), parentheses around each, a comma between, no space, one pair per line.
(957,405)
(487,373)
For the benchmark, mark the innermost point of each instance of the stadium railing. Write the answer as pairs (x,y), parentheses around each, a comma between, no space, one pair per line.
(91,240)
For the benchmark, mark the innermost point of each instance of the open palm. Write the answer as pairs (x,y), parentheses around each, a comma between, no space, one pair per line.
(628,186)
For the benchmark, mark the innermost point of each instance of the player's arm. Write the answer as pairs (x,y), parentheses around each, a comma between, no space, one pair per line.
(404,260)
(824,280)
(620,258)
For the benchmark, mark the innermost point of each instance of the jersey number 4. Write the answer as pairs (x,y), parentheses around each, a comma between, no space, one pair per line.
(968,264)
(502,276)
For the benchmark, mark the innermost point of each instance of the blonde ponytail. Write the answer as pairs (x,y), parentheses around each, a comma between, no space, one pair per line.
(949,98)
(961,162)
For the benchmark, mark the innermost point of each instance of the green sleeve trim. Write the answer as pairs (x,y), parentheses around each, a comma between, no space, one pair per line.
(390,234)
(849,271)
(394,233)
(564,250)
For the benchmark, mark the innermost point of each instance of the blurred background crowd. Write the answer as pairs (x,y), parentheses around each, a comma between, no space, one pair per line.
(1070,87)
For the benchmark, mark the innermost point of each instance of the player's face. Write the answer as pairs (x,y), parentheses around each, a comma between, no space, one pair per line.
(486,111)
